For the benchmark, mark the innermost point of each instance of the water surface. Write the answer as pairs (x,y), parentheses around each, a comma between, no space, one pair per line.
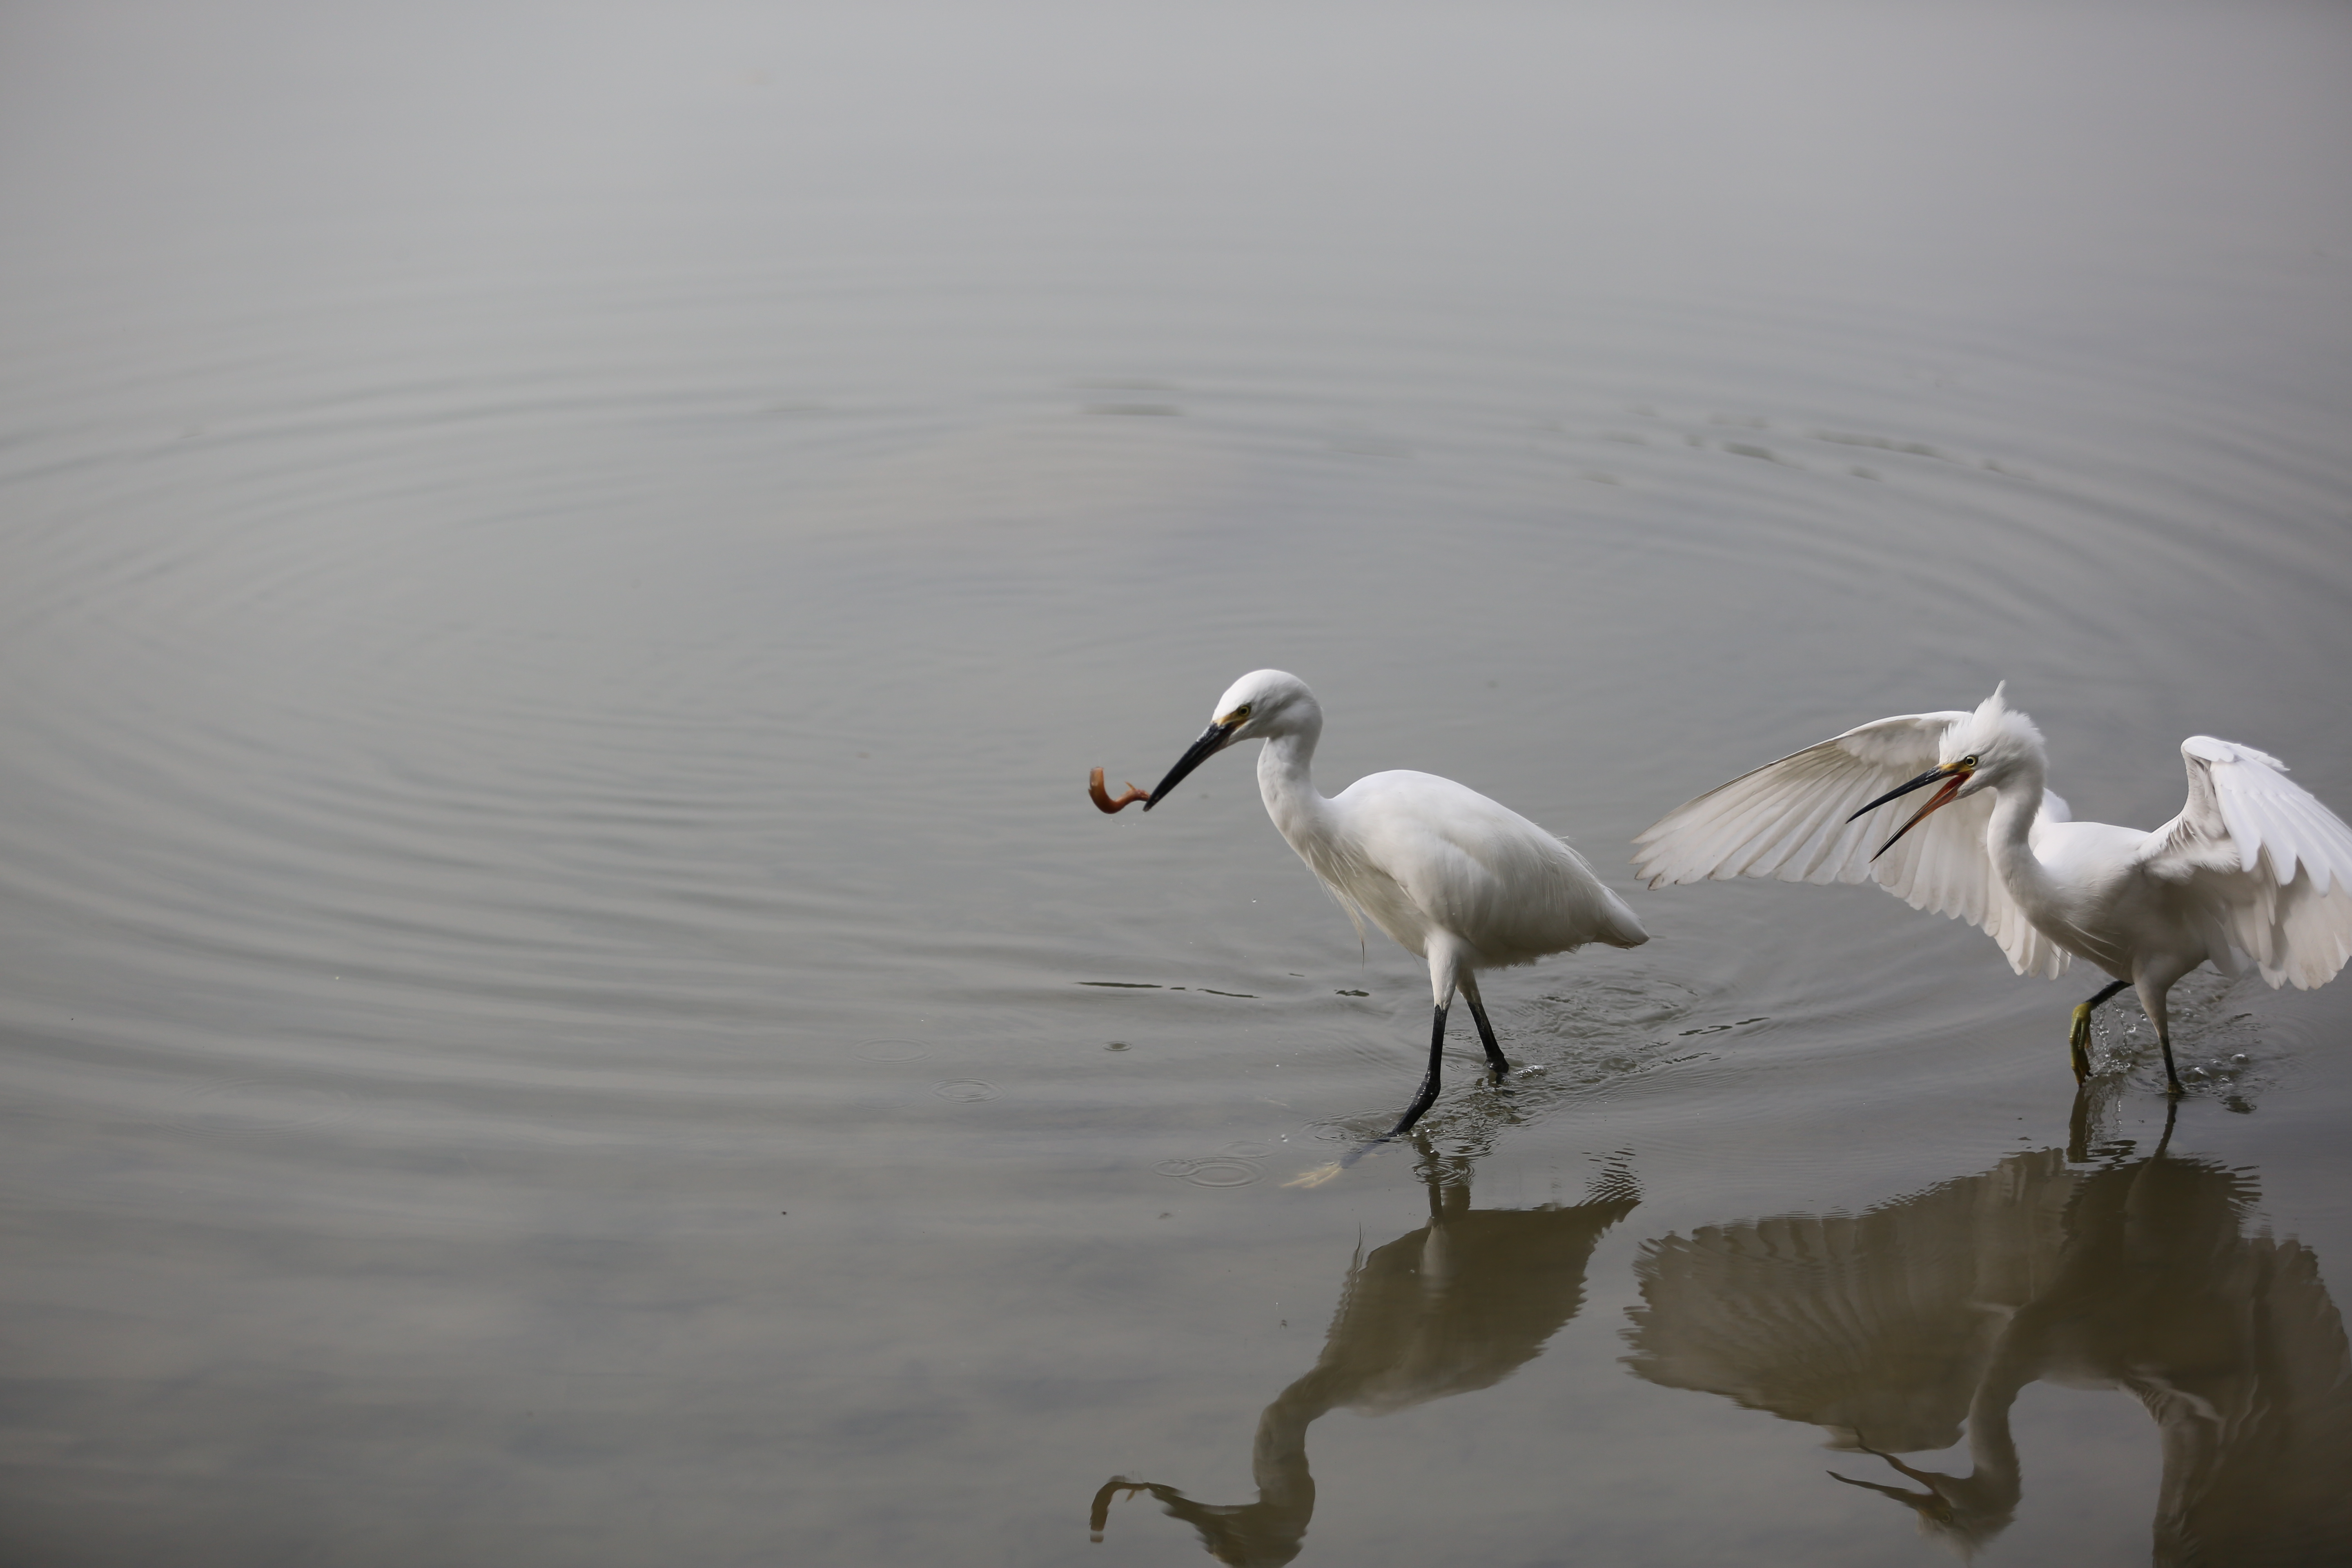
(560,997)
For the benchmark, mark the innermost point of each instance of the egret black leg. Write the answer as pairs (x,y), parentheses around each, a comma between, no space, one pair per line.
(2172,1089)
(1428,1095)
(2078,1039)
(1487,1033)
(2152,988)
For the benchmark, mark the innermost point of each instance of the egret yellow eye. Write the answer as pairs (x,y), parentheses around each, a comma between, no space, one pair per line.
(1969,762)
(1238,714)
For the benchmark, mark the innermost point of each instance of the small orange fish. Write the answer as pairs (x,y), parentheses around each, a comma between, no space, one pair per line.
(1102,797)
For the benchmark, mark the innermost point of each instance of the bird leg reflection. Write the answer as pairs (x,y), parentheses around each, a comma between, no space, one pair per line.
(1103,798)
(2082,1123)
(2078,1037)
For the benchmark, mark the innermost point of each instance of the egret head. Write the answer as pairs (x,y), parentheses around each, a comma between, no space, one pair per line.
(1981,751)
(1990,744)
(1262,704)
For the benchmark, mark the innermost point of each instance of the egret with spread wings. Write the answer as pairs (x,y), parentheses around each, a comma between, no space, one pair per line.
(2252,865)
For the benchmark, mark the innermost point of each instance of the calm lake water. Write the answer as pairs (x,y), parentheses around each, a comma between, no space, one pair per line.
(561,570)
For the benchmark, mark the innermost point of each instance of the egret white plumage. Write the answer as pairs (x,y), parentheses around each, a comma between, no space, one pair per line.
(1454,878)
(2253,863)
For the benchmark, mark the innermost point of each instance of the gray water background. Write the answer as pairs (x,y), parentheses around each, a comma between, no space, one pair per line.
(561,569)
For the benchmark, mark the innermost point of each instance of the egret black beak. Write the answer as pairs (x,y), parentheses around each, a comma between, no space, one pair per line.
(1953,776)
(1214,738)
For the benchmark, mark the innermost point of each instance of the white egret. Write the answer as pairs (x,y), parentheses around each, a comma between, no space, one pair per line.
(1454,878)
(2252,862)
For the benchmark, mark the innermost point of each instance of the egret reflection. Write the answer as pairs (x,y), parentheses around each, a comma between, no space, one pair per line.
(1456,1305)
(1899,1327)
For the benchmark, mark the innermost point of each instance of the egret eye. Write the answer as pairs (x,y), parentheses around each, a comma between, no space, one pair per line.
(1969,760)
(1238,714)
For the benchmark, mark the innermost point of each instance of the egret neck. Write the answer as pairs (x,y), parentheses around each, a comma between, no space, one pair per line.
(2009,837)
(1298,809)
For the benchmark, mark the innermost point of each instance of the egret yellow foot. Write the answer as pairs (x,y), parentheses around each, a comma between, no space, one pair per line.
(2078,1041)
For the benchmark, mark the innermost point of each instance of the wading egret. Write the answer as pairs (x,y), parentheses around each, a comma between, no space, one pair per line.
(2252,862)
(1456,878)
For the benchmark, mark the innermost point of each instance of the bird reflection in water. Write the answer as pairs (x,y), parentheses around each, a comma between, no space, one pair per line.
(1896,1326)
(1457,1305)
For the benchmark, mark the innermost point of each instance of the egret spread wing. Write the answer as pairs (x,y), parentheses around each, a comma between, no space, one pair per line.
(2272,865)
(1787,820)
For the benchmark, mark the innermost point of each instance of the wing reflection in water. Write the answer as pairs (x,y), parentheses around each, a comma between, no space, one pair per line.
(1457,1305)
(1896,1328)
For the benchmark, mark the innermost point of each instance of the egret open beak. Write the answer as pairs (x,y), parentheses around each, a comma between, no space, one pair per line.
(1952,775)
(1214,738)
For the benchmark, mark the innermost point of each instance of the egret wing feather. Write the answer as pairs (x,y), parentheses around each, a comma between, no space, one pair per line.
(2270,864)
(1478,871)
(1788,819)
(1726,832)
